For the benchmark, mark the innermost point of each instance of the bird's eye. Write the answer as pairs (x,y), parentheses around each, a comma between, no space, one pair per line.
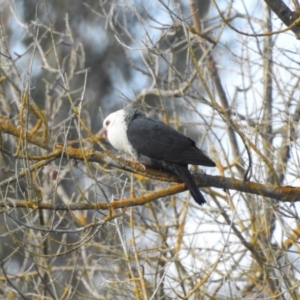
(107,122)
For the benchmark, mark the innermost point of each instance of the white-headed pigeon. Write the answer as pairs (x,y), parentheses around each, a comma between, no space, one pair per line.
(155,144)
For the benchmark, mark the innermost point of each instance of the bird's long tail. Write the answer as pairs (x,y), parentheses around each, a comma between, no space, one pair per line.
(183,172)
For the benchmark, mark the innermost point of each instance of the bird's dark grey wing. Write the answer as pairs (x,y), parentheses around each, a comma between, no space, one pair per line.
(157,140)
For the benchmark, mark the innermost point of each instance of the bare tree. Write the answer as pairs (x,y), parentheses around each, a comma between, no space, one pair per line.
(79,220)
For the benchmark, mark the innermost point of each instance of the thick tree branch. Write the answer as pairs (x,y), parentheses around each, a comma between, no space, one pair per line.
(286,15)
(280,193)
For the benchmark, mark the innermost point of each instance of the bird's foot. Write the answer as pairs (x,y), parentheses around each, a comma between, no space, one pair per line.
(139,165)
(196,170)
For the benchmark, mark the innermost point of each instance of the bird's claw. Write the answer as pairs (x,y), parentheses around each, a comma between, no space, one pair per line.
(140,165)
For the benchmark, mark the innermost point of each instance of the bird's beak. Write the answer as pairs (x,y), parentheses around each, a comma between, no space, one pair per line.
(103,132)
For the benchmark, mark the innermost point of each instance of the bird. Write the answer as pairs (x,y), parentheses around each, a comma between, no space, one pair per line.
(153,143)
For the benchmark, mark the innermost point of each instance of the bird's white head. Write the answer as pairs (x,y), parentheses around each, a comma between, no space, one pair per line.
(112,120)
(115,129)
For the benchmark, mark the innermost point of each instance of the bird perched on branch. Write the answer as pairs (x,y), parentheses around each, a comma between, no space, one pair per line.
(153,143)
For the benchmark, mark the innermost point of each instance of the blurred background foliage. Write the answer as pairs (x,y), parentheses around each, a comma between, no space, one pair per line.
(200,66)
